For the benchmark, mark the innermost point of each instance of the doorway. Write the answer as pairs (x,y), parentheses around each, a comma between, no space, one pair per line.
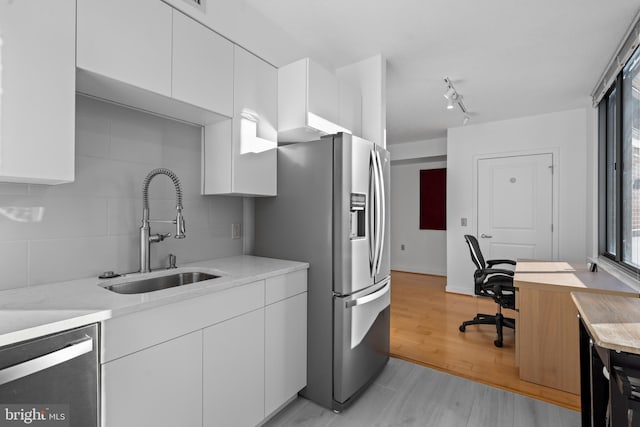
(515,206)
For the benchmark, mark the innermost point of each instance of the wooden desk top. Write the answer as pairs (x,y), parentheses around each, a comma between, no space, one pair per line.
(566,276)
(613,321)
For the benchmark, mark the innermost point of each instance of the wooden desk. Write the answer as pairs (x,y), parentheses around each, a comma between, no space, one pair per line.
(609,338)
(547,339)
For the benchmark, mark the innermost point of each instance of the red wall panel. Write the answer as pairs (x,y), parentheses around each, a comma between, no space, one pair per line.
(433,199)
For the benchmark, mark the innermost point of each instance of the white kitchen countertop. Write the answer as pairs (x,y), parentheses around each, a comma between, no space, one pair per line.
(27,313)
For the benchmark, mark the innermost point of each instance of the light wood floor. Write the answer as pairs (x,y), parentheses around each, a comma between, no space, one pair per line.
(424,330)
(409,395)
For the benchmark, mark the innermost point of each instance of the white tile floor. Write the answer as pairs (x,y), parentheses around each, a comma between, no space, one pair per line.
(406,394)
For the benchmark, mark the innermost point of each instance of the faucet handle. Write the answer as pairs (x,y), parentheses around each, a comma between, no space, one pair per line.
(158,237)
(172,261)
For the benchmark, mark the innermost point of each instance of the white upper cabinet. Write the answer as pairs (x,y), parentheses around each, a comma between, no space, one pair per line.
(309,102)
(128,41)
(350,108)
(202,66)
(37,91)
(240,155)
(147,55)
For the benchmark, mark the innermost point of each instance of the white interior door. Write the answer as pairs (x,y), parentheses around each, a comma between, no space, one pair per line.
(515,207)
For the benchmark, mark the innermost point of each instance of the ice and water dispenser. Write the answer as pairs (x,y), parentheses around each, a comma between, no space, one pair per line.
(358,216)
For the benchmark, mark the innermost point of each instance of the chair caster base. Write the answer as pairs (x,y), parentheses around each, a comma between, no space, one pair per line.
(462,328)
(497,343)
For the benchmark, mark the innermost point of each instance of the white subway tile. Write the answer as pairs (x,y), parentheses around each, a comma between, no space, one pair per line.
(136,137)
(9,188)
(46,217)
(92,127)
(66,259)
(13,256)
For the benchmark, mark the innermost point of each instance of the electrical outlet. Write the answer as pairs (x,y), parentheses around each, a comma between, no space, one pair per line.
(235,231)
(463,222)
(402,247)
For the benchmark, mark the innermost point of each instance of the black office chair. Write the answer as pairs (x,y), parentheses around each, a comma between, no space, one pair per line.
(495,283)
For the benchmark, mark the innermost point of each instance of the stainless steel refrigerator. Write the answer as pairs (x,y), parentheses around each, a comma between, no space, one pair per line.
(332,211)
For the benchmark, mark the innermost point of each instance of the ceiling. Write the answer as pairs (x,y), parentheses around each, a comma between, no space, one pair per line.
(507,58)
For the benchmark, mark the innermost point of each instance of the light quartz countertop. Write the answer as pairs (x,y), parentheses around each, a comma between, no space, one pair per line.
(31,312)
(613,321)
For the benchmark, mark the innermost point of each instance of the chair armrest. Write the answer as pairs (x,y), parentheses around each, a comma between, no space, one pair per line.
(492,262)
(497,271)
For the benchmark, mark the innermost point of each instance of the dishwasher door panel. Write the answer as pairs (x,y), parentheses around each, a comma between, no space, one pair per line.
(58,369)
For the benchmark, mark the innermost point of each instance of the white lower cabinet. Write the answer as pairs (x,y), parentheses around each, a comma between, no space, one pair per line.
(233,372)
(229,358)
(285,350)
(159,386)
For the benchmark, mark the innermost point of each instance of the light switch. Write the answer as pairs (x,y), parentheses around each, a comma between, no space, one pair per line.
(463,222)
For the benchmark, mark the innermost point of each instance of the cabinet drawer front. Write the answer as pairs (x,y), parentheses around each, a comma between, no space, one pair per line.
(285,286)
(127,334)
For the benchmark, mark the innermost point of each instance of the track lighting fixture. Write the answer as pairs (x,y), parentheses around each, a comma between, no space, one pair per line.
(450,103)
(453,97)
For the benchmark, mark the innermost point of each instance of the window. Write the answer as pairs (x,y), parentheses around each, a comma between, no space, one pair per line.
(621,167)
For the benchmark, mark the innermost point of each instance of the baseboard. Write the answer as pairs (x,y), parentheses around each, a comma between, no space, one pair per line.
(419,269)
(459,289)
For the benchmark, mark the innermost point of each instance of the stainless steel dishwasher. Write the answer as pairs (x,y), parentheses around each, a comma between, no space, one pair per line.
(52,380)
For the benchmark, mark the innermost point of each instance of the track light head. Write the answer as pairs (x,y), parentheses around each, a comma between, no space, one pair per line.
(465,120)
(450,103)
(450,92)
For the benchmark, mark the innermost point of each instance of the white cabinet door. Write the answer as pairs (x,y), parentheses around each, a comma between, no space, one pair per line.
(350,108)
(233,372)
(322,92)
(309,102)
(240,157)
(255,134)
(129,41)
(159,386)
(202,66)
(37,91)
(285,350)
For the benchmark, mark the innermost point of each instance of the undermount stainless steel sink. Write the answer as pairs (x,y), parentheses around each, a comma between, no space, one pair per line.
(152,284)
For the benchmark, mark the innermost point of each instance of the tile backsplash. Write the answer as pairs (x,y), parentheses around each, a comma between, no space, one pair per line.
(69,231)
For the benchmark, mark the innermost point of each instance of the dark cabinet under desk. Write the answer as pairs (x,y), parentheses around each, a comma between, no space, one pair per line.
(609,330)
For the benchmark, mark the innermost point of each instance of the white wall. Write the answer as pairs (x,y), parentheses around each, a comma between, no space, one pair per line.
(425,250)
(565,132)
(68,231)
(416,150)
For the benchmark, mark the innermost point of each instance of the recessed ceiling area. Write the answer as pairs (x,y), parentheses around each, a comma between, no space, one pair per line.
(508,59)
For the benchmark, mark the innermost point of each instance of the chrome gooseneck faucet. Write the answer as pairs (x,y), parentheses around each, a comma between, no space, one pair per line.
(146,238)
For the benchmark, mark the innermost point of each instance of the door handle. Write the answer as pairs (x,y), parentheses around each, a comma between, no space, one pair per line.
(486,236)
(47,361)
(368,298)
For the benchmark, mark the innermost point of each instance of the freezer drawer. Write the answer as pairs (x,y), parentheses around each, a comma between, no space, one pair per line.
(361,339)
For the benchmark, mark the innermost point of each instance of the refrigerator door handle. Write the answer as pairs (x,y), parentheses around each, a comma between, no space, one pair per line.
(382,213)
(370,297)
(377,212)
(372,215)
